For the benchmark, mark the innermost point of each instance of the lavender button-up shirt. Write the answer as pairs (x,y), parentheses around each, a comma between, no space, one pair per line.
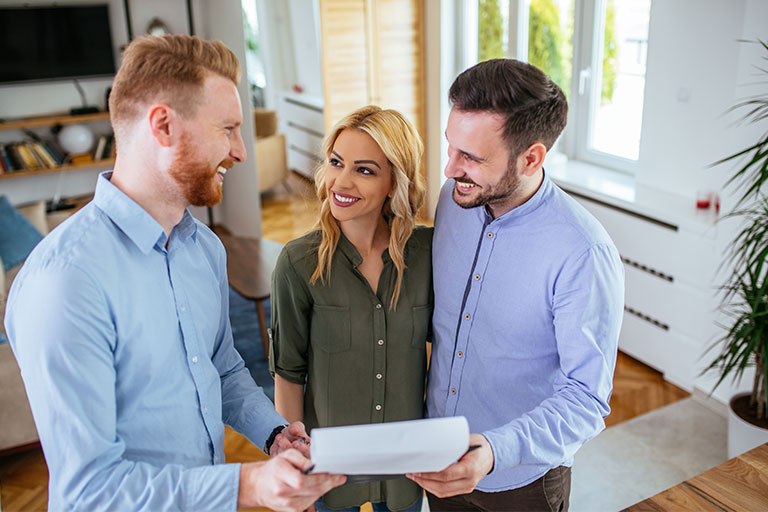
(528,308)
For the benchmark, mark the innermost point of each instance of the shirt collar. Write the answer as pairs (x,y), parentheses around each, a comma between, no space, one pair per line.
(352,254)
(133,220)
(527,207)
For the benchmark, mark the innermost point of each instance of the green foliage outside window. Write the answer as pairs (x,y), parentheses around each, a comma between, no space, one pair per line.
(549,49)
(610,55)
(550,46)
(490,30)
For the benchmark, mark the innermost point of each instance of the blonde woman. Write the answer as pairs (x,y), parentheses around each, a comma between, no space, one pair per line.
(352,300)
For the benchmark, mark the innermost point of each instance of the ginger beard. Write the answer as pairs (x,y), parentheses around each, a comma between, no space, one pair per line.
(198,180)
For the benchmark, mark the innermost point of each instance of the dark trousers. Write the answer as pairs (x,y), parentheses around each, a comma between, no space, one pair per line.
(549,493)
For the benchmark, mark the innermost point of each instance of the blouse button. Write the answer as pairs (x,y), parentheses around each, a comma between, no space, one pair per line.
(378,306)
(490,235)
(380,342)
(378,407)
(453,391)
(378,376)
(467,317)
(460,354)
(477,277)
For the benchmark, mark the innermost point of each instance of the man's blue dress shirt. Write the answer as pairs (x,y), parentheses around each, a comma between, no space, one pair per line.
(124,343)
(528,308)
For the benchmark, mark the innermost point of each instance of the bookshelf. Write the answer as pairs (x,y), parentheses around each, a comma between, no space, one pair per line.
(54,120)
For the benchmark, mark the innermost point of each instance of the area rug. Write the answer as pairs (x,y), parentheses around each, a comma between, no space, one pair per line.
(641,457)
(247,334)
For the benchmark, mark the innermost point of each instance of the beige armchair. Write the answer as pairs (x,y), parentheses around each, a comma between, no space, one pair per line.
(269,147)
(18,427)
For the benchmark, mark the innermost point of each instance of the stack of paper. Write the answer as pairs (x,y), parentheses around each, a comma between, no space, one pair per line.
(390,448)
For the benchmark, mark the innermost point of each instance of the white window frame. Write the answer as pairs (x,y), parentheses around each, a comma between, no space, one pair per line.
(585,86)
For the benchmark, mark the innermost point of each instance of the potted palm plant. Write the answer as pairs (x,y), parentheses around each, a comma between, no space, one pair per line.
(745,292)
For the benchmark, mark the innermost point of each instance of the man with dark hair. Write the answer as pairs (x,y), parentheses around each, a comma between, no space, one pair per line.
(528,299)
(120,317)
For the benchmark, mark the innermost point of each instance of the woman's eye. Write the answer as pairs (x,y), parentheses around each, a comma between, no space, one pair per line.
(365,170)
(334,162)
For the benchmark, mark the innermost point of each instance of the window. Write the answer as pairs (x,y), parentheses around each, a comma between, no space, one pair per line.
(594,50)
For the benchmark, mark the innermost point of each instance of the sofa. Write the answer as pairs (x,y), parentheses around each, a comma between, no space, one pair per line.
(18,428)
(269,148)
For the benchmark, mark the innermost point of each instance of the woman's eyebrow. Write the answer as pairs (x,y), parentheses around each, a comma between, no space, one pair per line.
(368,162)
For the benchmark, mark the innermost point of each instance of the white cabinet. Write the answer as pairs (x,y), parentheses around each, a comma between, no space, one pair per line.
(670,296)
(302,121)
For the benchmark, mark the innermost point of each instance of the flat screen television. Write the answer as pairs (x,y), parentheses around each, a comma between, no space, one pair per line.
(55,43)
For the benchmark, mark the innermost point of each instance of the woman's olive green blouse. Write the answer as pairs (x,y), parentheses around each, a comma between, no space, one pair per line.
(361,361)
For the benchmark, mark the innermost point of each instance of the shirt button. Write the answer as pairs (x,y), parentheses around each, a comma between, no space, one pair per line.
(194,359)
(453,391)
(182,309)
(489,235)
(378,376)
(378,407)
(380,342)
(477,277)
(378,306)
(460,354)
(467,317)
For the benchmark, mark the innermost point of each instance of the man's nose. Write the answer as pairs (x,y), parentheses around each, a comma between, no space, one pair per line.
(237,149)
(452,168)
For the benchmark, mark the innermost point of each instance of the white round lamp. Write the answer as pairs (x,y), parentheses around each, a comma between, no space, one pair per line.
(76,139)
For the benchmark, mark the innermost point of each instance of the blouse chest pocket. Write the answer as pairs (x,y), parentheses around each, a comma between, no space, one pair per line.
(422,315)
(331,328)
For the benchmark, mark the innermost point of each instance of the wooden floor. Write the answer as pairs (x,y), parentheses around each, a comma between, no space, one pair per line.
(24,477)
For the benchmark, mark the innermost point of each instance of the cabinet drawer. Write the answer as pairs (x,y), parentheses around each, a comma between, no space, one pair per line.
(680,254)
(301,162)
(303,140)
(673,355)
(683,308)
(305,116)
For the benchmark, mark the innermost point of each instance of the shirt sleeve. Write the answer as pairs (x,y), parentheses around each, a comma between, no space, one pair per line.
(67,362)
(587,308)
(244,405)
(291,310)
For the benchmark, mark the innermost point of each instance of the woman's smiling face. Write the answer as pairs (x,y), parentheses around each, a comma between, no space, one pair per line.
(358,177)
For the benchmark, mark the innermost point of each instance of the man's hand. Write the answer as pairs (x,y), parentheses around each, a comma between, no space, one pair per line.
(293,436)
(462,477)
(279,483)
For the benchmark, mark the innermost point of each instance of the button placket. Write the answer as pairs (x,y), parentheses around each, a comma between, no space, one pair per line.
(379,362)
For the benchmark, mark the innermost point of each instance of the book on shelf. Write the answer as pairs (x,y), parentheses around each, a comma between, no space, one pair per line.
(7,165)
(98,154)
(42,153)
(54,150)
(30,163)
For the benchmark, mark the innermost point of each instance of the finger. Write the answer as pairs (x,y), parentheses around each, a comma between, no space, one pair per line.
(296,458)
(303,448)
(297,431)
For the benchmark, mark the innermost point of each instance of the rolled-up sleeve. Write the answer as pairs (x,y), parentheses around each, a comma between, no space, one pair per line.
(291,310)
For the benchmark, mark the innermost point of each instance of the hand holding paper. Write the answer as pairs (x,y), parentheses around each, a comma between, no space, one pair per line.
(395,448)
(462,477)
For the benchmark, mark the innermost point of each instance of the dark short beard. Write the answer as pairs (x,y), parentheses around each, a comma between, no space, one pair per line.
(508,187)
(194,177)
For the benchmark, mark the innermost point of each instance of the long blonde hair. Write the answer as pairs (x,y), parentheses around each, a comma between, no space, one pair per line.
(402,146)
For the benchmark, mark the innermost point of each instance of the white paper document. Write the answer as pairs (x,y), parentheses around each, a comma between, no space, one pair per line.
(390,448)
